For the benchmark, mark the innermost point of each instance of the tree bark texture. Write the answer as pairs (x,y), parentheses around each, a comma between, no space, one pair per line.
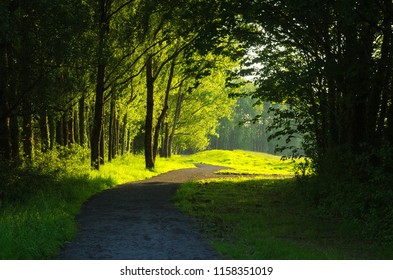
(98,122)
(163,113)
(149,159)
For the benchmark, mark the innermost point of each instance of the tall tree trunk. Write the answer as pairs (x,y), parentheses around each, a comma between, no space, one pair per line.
(98,119)
(117,136)
(129,148)
(162,116)
(165,141)
(52,131)
(28,134)
(98,122)
(15,137)
(71,128)
(176,118)
(5,138)
(60,132)
(112,130)
(384,79)
(65,130)
(44,131)
(149,159)
(124,135)
(102,146)
(5,135)
(75,125)
(82,127)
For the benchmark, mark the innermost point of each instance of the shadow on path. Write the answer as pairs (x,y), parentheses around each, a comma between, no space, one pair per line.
(140,221)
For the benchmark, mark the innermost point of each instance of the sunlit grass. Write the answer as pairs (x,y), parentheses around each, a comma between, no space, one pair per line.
(38,213)
(130,168)
(246,162)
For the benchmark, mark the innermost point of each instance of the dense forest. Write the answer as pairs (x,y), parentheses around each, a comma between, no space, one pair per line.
(105,73)
(154,76)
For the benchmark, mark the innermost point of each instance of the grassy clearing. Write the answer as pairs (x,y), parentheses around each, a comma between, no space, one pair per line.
(246,162)
(268,219)
(41,201)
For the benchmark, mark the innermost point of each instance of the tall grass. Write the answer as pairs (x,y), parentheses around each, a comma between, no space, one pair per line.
(40,200)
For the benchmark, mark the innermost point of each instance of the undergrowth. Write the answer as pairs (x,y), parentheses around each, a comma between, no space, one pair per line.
(39,201)
(356,189)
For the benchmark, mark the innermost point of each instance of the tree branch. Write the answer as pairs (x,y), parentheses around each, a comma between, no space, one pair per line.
(118,9)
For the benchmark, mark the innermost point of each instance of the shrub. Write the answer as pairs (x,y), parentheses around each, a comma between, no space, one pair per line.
(356,189)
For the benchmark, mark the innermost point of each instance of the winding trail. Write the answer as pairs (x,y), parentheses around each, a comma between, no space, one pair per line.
(139,221)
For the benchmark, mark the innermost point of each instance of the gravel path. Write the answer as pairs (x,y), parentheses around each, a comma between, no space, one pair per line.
(139,221)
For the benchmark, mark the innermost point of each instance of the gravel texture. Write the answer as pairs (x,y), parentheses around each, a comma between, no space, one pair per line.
(139,221)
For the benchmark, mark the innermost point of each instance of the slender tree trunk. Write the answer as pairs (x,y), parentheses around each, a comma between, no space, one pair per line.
(5,138)
(384,79)
(98,119)
(71,128)
(15,138)
(65,130)
(98,122)
(124,135)
(89,124)
(28,134)
(112,130)
(59,132)
(102,146)
(176,118)
(165,141)
(44,130)
(117,140)
(5,135)
(162,116)
(149,159)
(75,126)
(82,127)
(129,141)
(52,131)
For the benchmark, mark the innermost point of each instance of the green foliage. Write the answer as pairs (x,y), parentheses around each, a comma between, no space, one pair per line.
(201,110)
(361,196)
(327,62)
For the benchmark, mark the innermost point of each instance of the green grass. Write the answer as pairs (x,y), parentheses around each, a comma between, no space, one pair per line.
(37,227)
(269,219)
(40,202)
(130,168)
(266,217)
(246,162)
